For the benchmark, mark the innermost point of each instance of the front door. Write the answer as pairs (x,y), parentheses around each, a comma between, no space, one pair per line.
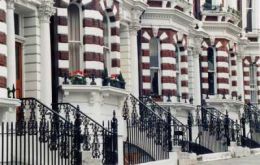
(19,70)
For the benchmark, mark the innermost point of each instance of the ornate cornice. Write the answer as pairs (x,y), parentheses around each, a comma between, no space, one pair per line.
(46,10)
(10,4)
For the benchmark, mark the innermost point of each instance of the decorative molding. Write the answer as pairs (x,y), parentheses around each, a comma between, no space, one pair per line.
(155,31)
(46,10)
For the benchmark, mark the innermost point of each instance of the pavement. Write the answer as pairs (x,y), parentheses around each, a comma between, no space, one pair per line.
(250,160)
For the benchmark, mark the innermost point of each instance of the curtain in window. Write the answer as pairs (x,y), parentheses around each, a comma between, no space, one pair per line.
(74,37)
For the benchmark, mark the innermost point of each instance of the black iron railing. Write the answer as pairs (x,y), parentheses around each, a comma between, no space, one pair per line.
(94,137)
(251,116)
(179,134)
(216,130)
(39,136)
(147,133)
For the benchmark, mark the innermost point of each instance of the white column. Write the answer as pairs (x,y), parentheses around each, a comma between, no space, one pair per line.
(45,11)
(197,90)
(256,14)
(134,61)
(240,77)
(244,14)
(11,65)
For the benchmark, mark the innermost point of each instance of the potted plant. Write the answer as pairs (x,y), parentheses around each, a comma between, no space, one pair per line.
(105,77)
(121,81)
(113,81)
(77,78)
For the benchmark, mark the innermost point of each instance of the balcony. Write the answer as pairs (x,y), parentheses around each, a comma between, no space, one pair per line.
(220,14)
(183,5)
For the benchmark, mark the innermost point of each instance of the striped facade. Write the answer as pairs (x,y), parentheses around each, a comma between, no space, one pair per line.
(222,66)
(184,69)
(204,69)
(168,42)
(233,72)
(223,69)
(92,49)
(247,61)
(3,50)
(63,46)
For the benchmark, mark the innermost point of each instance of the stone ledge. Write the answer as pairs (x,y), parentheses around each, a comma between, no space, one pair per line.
(214,156)
(89,89)
(9,103)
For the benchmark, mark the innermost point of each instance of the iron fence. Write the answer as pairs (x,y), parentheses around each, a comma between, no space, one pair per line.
(101,141)
(147,133)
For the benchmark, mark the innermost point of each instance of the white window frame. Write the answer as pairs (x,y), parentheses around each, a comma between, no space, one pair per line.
(157,68)
(107,49)
(80,42)
(253,83)
(214,70)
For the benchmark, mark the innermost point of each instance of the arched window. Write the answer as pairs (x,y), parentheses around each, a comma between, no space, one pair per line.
(178,70)
(253,83)
(106,36)
(74,37)
(155,66)
(212,70)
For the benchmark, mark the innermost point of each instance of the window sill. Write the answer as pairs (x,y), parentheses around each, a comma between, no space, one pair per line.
(89,89)
(183,106)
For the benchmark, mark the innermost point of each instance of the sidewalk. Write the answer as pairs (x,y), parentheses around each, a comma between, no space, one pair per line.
(250,160)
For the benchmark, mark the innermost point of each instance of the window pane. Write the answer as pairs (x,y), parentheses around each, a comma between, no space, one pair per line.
(155,81)
(154,52)
(211,60)
(211,81)
(177,57)
(16,24)
(74,37)
(249,20)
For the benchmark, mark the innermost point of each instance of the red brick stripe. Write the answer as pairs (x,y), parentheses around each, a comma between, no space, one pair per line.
(2,16)
(2,38)
(2,60)
(2,82)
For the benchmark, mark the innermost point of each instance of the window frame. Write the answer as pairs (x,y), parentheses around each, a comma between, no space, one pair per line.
(107,48)
(253,83)
(158,69)
(80,41)
(214,71)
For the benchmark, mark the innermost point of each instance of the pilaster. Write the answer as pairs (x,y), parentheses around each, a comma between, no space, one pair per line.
(46,10)
(11,66)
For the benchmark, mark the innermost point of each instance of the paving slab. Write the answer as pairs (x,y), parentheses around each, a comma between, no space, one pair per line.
(250,160)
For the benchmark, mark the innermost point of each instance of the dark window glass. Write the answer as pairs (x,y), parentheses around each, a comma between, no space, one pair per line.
(211,60)
(155,81)
(211,82)
(154,52)
(16,24)
(249,20)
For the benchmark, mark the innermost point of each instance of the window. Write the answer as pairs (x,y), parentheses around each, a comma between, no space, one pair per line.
(17,24)
(253,83)
(249,15)
(178,72)
(74,37)
(212,70)
(106,35)
(155,65)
